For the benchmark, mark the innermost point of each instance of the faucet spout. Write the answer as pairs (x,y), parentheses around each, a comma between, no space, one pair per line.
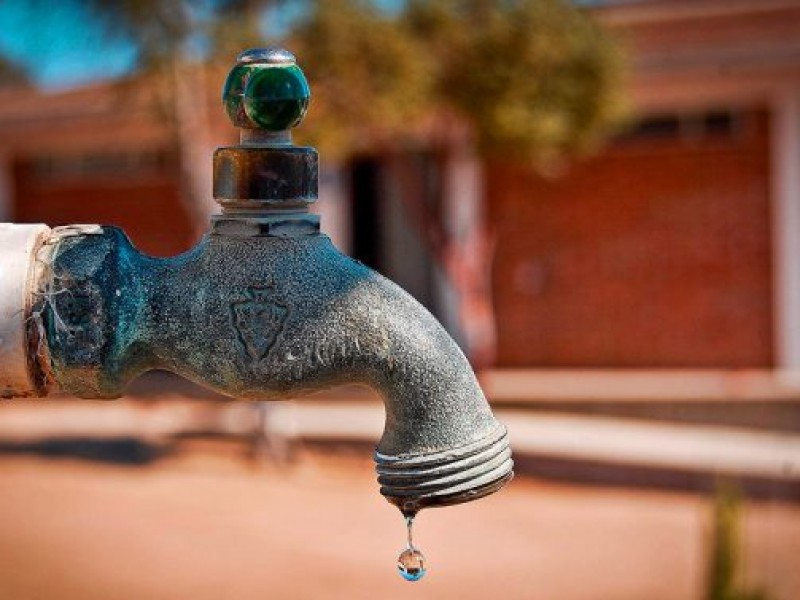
(266,308)
(441,444)
(268,317)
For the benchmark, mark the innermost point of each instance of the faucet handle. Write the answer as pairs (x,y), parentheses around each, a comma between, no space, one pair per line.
(266,90)
(265,184)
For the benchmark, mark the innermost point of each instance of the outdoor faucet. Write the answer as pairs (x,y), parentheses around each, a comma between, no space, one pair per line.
(263,308)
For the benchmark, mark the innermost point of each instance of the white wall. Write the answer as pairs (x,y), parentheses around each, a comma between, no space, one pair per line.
(785,191)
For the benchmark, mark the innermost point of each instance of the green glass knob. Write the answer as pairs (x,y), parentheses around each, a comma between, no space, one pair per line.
(266,90)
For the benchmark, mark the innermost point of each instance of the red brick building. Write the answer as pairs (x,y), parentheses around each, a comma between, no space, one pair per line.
(678,245)
(94,154)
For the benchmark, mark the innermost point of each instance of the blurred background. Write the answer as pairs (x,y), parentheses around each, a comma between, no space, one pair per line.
(600,200)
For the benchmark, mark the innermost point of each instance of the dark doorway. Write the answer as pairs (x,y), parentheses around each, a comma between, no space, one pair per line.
(366,211)
(385,237)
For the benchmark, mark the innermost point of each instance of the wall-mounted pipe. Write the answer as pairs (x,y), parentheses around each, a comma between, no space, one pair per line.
(20,339)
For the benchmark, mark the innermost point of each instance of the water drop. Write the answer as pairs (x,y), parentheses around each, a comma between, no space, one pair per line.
(409,530)
(411,562)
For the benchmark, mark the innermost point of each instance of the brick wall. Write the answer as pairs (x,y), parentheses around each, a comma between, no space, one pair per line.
(654,253)
(145,203)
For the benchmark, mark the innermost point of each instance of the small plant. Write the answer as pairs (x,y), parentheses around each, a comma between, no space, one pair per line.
(724,561)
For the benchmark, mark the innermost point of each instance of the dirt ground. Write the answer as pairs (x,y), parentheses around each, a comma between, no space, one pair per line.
(207,525)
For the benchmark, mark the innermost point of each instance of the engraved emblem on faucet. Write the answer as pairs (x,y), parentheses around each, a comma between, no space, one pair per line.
(258,320)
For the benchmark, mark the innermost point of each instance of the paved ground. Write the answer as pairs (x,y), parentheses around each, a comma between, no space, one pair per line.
(207,526)
(614,441)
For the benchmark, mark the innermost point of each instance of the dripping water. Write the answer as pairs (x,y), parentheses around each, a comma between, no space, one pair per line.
(411,562)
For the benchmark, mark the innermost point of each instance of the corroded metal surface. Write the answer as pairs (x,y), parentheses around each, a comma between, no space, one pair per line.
(259,176)
(266,308)
(270,318)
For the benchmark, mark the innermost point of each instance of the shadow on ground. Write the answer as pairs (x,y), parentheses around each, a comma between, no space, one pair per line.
(120,451)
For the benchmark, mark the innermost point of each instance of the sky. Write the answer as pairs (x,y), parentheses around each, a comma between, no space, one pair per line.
(60,43)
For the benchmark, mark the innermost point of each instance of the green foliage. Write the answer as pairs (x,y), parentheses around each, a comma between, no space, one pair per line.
(532,78)
(724,568)
(535,78)
(369,75)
